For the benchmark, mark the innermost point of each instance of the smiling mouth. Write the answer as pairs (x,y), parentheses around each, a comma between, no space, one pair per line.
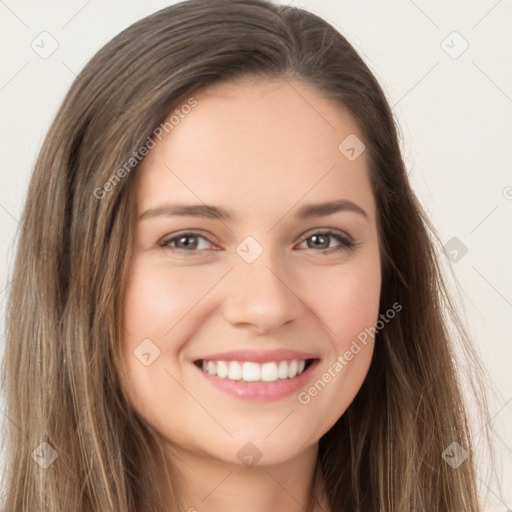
(249,371)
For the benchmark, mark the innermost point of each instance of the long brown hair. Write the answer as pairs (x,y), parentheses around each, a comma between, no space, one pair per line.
(65,308)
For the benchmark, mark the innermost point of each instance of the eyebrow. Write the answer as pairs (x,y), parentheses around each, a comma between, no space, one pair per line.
(215,212)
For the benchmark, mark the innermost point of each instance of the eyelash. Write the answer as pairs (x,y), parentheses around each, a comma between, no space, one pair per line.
(345,243)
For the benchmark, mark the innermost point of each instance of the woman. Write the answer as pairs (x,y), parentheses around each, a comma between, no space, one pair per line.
(226,295)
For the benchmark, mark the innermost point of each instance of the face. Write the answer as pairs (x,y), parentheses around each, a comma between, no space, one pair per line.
(255,269)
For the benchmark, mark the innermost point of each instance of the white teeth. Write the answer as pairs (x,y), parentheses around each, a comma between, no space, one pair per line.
(212,368)
(249,371)
(222,370)
(293,366)
(269,372)
(282,371)
(235,371)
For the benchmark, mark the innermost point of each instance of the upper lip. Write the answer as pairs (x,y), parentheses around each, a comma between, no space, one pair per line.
(257,356)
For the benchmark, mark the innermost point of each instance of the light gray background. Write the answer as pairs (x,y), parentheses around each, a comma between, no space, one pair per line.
(454,112)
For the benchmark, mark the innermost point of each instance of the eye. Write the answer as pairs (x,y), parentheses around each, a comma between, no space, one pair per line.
(188,241)
(322,240)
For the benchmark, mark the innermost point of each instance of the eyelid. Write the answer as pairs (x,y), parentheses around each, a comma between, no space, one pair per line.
(345,241)
(326,231)
(166,240)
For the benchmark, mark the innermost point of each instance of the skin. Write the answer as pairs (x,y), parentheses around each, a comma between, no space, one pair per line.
(262,150)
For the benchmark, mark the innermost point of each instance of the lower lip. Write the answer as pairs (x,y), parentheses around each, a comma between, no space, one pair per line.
(266,391)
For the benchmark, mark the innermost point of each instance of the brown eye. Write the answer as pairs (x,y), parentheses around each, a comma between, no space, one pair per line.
(319,241)
(186,242)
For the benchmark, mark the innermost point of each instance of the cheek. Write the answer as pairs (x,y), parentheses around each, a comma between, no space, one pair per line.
(159,297)
(347,301)
(159,315)
(159,306)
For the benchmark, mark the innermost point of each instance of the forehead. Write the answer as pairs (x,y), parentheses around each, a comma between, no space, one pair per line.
(257,145)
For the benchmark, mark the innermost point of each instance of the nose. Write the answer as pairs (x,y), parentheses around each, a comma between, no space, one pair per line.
(261,297)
